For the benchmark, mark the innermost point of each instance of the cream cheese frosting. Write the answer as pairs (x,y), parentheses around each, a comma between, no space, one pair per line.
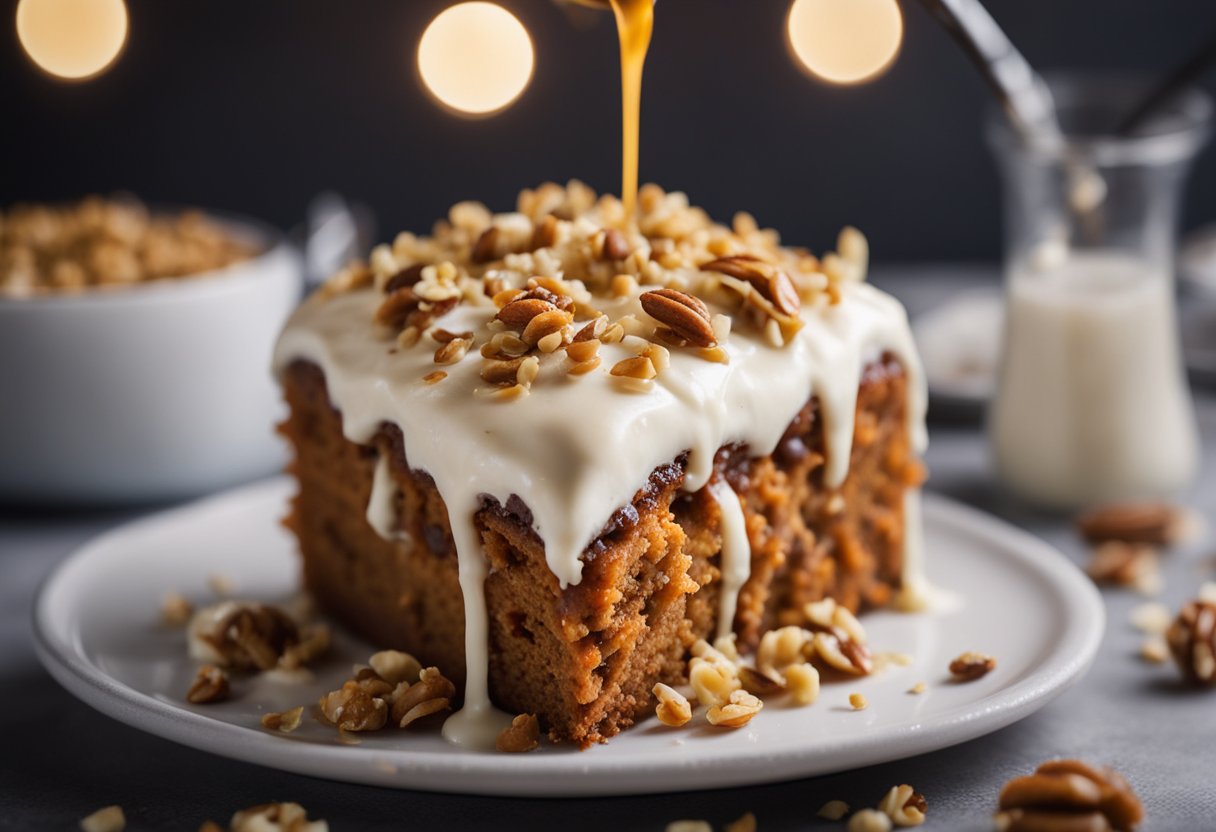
(575,448)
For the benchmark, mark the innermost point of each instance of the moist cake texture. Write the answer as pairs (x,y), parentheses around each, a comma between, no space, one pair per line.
(547,450)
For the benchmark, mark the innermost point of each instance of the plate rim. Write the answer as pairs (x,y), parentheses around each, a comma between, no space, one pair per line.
(1072,654)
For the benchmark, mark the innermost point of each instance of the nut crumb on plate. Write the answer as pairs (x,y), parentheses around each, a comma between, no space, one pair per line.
(106,819)
(737,712)
(210,685)
(1152,618)
(1119,563)
(1155,649)
(284,722)
(276,817)
(673,708)
(972,665)
(918,688)
(175,610)
(858,701)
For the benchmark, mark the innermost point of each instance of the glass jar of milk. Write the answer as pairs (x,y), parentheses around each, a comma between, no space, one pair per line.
(1092,402)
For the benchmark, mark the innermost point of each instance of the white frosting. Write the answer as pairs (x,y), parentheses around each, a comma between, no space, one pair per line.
(735,562)
(578,448)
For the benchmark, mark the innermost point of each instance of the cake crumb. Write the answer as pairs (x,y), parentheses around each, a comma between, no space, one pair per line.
(869,820)
(858,701)
(918,688)
(523,734)
(833,810)
(175,610)
(106,819)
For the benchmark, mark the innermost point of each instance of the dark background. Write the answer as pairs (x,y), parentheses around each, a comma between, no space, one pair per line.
(255,105)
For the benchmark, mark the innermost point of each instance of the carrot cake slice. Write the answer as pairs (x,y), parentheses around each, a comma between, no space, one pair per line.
(548,450)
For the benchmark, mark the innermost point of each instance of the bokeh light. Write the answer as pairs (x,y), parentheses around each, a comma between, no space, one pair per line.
(845,41)
(476,58)
(72,39)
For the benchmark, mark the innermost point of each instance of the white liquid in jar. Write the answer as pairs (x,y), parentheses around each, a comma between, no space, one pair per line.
(1092,402)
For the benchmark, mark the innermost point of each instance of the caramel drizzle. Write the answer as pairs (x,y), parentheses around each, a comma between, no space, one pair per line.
(634,25)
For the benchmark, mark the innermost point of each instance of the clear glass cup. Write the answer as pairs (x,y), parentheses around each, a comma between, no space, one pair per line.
(1092,402)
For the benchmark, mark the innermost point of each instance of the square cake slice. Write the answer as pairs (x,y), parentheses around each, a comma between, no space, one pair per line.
(549,450)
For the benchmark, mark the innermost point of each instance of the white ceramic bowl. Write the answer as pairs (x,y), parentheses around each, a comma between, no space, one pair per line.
(146,393)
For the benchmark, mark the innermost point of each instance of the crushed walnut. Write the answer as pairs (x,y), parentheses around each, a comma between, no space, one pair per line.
(568,267)
(858,701)
(869,820)
(98,242)
(242,635)
(833,810)
(284,722)
(1068,794)
(1192,642)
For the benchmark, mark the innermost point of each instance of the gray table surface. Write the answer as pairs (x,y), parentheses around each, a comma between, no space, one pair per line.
(59,759)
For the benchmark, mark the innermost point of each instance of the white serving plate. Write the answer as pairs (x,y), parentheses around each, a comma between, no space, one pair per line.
(97,631)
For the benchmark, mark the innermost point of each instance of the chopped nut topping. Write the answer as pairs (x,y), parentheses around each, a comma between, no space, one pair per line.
(638,367)
(435,377)
(904,806)
(833,810)
(858,701)
(971,666)
(523,734)
(452,351)
(1155,524)
(284,722)
(736,712)
(544,268)
(107,819)
(685,315)
(1068,794)
(210,685)
(674,708)
(1192,641)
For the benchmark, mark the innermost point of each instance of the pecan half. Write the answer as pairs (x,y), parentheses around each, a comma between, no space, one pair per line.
(616,247)
(1156,524)
(687,316)
(519,313)
(1192,640)
(770,282)
(1068,795)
